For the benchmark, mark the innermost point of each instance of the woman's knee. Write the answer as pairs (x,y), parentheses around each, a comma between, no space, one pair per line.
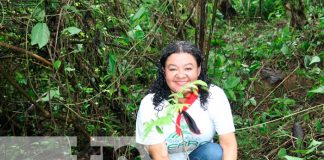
(212,151)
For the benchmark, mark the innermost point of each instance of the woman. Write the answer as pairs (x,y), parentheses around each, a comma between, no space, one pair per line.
(182,62)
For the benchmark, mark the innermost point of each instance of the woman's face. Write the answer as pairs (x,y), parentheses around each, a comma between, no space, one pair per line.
(180,68)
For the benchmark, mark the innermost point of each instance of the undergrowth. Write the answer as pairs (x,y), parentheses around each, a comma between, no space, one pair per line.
(100,59)
(279,120)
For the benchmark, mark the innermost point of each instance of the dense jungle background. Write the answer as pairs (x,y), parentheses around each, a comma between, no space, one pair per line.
(81,68)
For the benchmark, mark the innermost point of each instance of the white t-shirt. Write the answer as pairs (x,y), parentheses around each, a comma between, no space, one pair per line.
(217,118)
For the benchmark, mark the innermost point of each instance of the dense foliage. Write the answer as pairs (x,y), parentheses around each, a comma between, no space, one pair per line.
(82,67)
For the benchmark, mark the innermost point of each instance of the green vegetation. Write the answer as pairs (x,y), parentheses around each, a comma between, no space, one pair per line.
(81,68)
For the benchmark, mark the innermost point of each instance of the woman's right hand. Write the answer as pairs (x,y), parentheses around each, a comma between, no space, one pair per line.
(158,151)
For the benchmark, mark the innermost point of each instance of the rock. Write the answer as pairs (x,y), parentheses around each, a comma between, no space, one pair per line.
(271,76)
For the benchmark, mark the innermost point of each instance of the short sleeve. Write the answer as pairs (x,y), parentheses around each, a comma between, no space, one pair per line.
(146,113)
(220,111)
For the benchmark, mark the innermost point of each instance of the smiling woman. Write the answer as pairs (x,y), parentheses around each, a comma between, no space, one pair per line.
(180,69)
(209,112)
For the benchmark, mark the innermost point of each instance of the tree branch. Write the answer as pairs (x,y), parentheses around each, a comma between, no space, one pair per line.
(192,10)
(210,33)
(32,54)
(45,113)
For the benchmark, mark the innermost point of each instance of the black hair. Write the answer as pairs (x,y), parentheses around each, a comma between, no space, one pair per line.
(160,88)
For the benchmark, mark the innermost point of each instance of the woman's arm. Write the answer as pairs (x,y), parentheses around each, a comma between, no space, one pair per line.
(158,151)
(229,145)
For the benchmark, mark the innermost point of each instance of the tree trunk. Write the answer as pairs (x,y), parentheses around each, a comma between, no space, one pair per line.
(225,7)
(295,9)
(202,25)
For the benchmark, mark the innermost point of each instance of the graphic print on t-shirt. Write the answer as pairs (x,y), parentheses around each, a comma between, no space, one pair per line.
(190,140)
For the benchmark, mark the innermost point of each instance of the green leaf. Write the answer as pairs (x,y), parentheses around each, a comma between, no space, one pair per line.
(315,59)
(220,60)
(137,33)
(163,121)
(20,78)
(315,143)
(255,66)
(148,128)
(305,46)
(90,128)
(307,60)
(289,102)
(231,82)
(231,94)
(70,8)
(39,14)
(112,63)
(301,151)
(247,103)
(318,126)
(319,90)
(200,82)
(253,101)
(72,30)
(69,69)
(282,152)
(292,158)
(159,129)
(53,93)
(285,50)
(315,70)
(90,90)
(40,34)
(57,64)
(124,88)
(139,13)
(285,32)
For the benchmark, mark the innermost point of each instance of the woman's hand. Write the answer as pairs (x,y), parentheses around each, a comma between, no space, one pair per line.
(158,151)
(229,145)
